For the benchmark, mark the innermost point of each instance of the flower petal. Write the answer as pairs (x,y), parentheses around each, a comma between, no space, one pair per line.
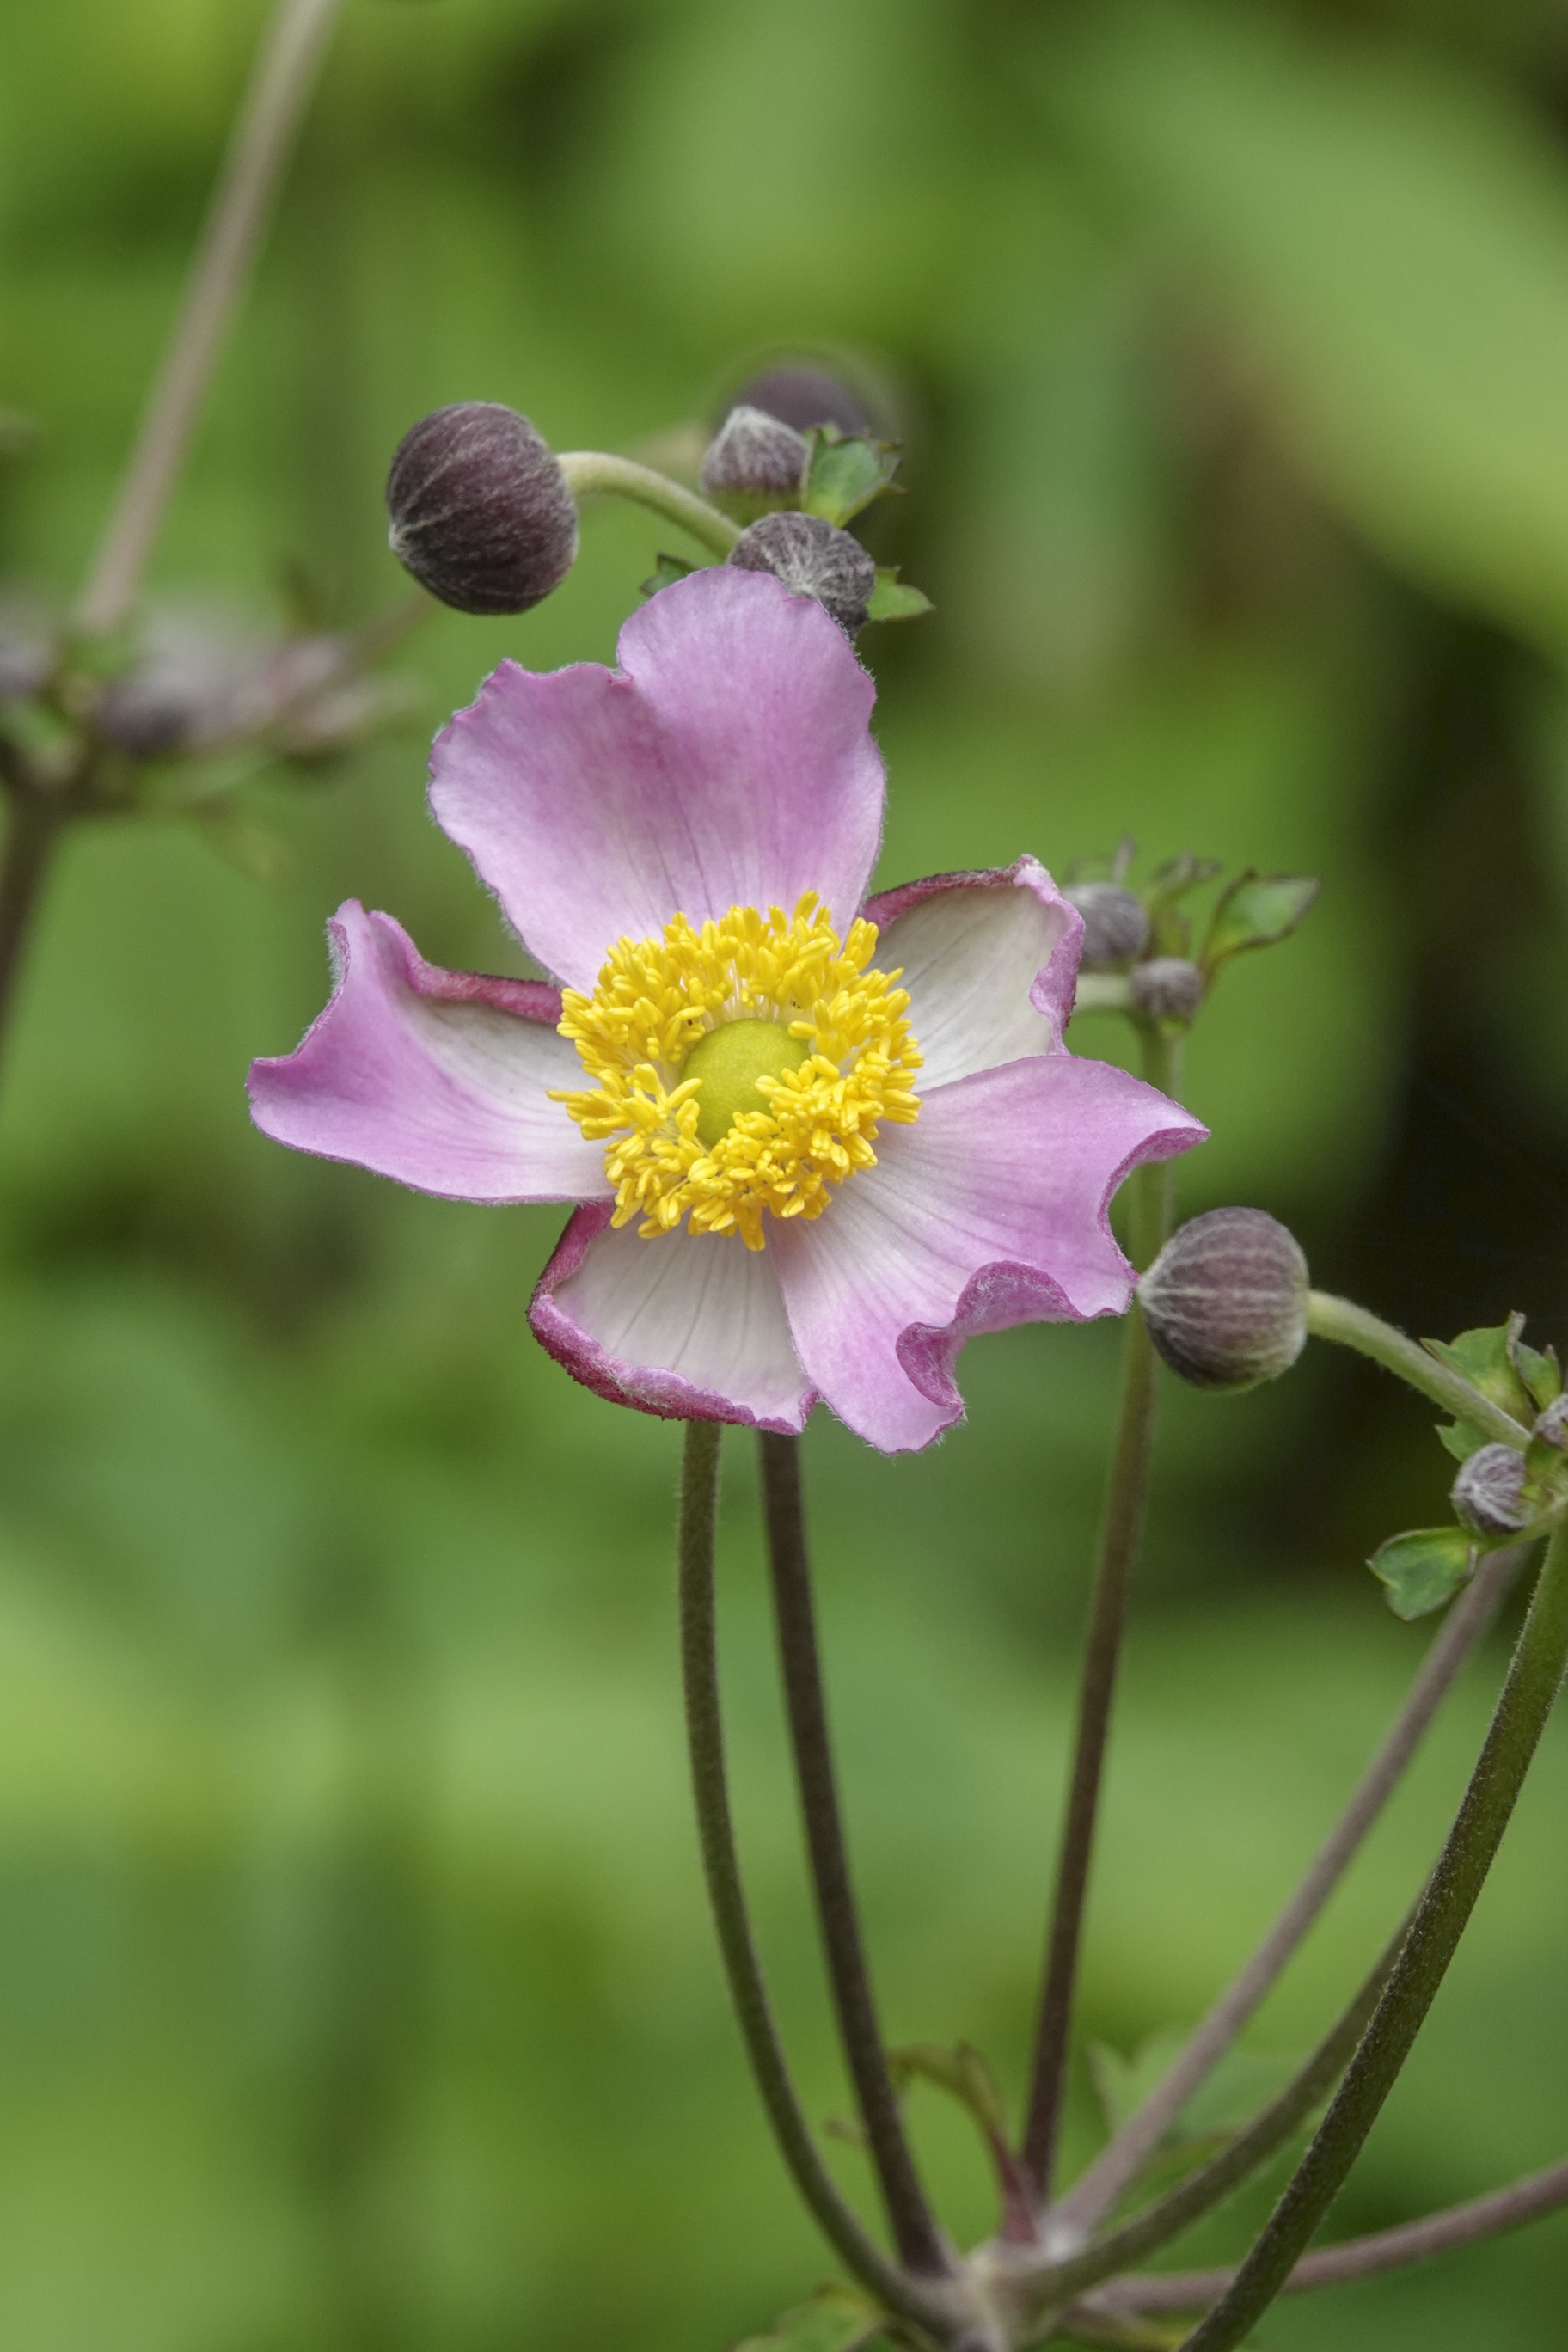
(438,1079)
(990,962)
(989,1210)
(727,763)
(690,1327)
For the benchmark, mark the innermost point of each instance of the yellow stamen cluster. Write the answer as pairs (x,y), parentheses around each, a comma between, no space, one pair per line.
(813,1125)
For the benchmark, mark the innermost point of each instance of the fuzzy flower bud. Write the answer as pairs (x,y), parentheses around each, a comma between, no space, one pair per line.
(1551,1426)
(1115,923)
(812,559)
(754,455)
(1167,988)
(479,509)
(1489,1493)
(804,394)
(1226,1300)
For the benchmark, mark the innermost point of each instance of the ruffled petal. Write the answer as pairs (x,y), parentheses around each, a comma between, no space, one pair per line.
(691,1328)
(990,962)
(438,1079)
(989,1210)
(727,763)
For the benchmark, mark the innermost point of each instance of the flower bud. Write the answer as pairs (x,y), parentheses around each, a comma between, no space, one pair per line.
(479,509)
(1489,1493)
(1551,1426)
(1226,1300)
(804,394)
(754,455)
(1167,988)
(1115,923)
(812,559)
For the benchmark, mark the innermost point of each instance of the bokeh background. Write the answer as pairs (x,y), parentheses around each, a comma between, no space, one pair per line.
(355,1989)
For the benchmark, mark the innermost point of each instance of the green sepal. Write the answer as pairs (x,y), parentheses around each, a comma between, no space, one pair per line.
(665,573)
(961,2072)
(1257,912)
(1485,1358)
(845,473)
(1540,1370)
(1169,934)
(1462,1438)
(892,600)
(1175,877)
(1422,1569)
(836,2319)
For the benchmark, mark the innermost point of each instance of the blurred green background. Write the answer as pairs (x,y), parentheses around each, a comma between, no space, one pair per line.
(355,1989)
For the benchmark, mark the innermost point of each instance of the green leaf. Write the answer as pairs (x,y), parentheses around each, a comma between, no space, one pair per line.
(1258,910)
(1485,1358)
(892,600)
(1423,1568)
(1540,1372)
(961,2072)
(837,2319)
(1461,1439)
(665,572)
(843,474)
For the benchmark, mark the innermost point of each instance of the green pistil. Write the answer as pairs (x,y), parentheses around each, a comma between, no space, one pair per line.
(728,1063)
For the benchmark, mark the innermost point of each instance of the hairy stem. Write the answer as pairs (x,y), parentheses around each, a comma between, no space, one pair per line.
(274,102)
(1468,2224)
(30,839)
(720,1863)
(589,470)
(920,2245)
(1441,1916)
(1121,1532)
(1352,1326)
(1141,2134)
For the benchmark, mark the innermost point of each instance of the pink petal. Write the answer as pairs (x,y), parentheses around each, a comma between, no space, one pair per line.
(990,1211)
(990,962)
(437,1078)
(689,1328)
(727,763)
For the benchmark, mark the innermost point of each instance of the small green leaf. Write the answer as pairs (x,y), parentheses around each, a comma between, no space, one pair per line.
(666,571)
(1423,1568)
(1258,910)
(1177,876)
(1485,1358)
(961,2072)
(1540,1373)
(837,2319)
(844,473)
(1461,1439)
(892,600)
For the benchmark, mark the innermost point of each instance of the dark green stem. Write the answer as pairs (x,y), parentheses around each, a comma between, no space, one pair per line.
(1533,1679)
(29,847)
(705,1734)
(914,2230)
(1121,1533)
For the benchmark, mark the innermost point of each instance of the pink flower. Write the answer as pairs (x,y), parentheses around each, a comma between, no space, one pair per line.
(813,1157)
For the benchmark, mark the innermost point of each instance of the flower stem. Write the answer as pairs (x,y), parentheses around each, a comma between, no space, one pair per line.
(589,470)
(274,102)
(1119,2162)
(1352,1326)
(1358,2258)
(920,2245)
(1441,1916)
(1120,1535)
(30,840)
(705,1734)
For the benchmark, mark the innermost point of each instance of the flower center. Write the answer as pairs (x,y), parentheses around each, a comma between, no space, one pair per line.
(741,1071)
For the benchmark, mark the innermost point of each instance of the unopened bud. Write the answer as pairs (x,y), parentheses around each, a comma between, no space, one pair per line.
(812,559)
(1115,923)
(754,455)
(1167,988)
(1226,1300)
(479,509)
(804,396)
(1489,1493)
(1551,1426)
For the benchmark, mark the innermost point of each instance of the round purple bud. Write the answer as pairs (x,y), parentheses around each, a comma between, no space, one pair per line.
(1226,1300)
(803,395)
(1167,988)
(479,510)
(812,559)
(1489,1493)
(1115,923)
(754,455)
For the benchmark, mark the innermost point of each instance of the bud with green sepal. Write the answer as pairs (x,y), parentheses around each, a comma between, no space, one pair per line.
(754,464)
(1226,1300)
(813,559)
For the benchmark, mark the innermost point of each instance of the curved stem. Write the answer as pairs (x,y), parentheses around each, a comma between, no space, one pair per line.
(30,839)
(1120,1535)
(1123,2157)
(1359,2258)
(705,1736)
(1352,1326)
(593,470)
(919,2242)
(1236,2162)
(1440,1920)
(279,87)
